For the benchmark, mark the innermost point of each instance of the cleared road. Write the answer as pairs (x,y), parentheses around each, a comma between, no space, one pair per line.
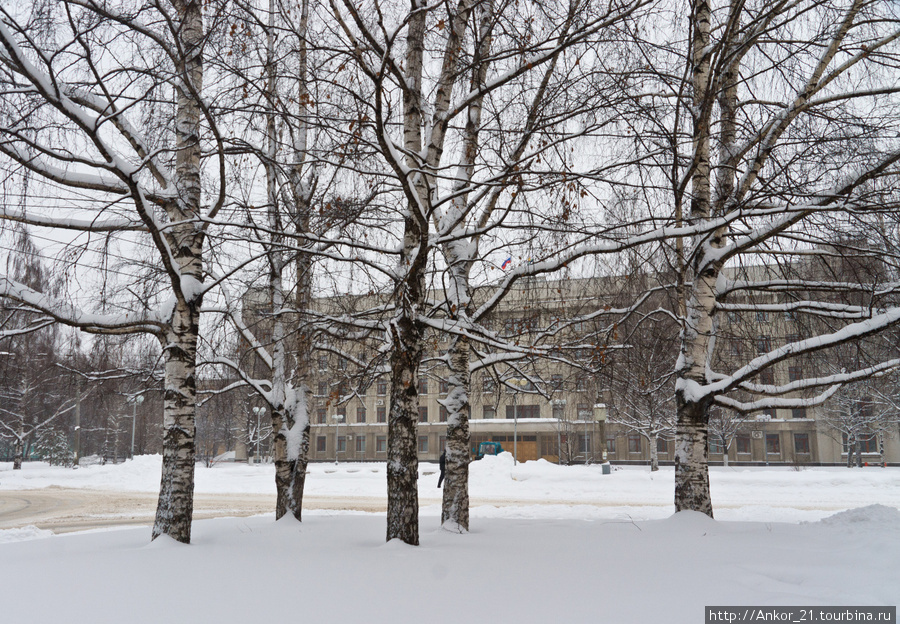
(63,510)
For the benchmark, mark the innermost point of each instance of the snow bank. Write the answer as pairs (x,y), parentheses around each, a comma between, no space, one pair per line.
(508,570)
(887,517)
(24,534)
(497,487)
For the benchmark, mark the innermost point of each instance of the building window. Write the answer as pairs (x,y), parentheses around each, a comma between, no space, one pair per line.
(611,444)
(743,444)
(381,387)
(360,414)
(584,443)
(559,411)
(762,316)
(556,382)
(795,373)
(342,444)
(798,412)
(584,411)
(423,385)
(735,347)
(342,363)
(323,362)
(423,414)
(790,315)
(443,414)
(634,443)
(487,384)
(381,444)
(523,411)
(488,412)
(342,389)
(716,444)
(549,447)
(763,344)
(320,444)
(381,414)
(323,388)
(766,414)
(801,443)
(662,445)
(792,338)
(423,444)
(320,416)
(868,443)
(443,386)
(581,384)
(341,415)
(773,444)
(767,377)
(361,444)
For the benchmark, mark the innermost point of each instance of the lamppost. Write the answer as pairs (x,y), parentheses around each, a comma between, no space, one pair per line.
(559,407)
(515,428)
(338,419)
(135,400)
(259,411)
(600,414)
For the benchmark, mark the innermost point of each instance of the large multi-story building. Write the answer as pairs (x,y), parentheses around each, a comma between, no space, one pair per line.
(573,414)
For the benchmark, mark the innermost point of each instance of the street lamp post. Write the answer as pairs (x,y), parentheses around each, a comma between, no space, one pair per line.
(135,401)
(338,418)
(560,406)
(600,415)
(515,428)
(259,411)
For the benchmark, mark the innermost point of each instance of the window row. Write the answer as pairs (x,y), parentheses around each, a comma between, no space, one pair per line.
(763,344)
(762,316)
(358,443)
(772,444)
(362,415)
(342,388)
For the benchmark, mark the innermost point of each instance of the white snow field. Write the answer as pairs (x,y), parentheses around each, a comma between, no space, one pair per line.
(548,544)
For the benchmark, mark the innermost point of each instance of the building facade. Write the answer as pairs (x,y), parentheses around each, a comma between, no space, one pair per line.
(547,409)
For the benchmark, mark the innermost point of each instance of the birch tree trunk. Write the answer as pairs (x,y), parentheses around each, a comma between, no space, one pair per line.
(281,419)
(185,238)
(460,254)
(298,447)
(654,452)
(19,448)
(175,509)
(407,338)
(691,458)
(455,504)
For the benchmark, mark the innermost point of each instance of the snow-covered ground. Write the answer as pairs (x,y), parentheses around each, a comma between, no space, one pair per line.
(548,544)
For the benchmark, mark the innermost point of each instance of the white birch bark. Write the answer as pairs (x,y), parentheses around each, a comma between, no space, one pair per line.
(691,468)
(185,238)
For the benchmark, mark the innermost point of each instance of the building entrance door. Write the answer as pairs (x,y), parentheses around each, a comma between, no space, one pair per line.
(527,451)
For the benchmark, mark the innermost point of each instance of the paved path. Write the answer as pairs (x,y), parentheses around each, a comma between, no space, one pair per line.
(62,510)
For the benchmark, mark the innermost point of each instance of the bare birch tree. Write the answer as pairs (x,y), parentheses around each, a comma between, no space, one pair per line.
(88,125)
(424,69)
(765,83)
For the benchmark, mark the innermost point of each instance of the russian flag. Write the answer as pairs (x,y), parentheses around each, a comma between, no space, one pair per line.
(506,263)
